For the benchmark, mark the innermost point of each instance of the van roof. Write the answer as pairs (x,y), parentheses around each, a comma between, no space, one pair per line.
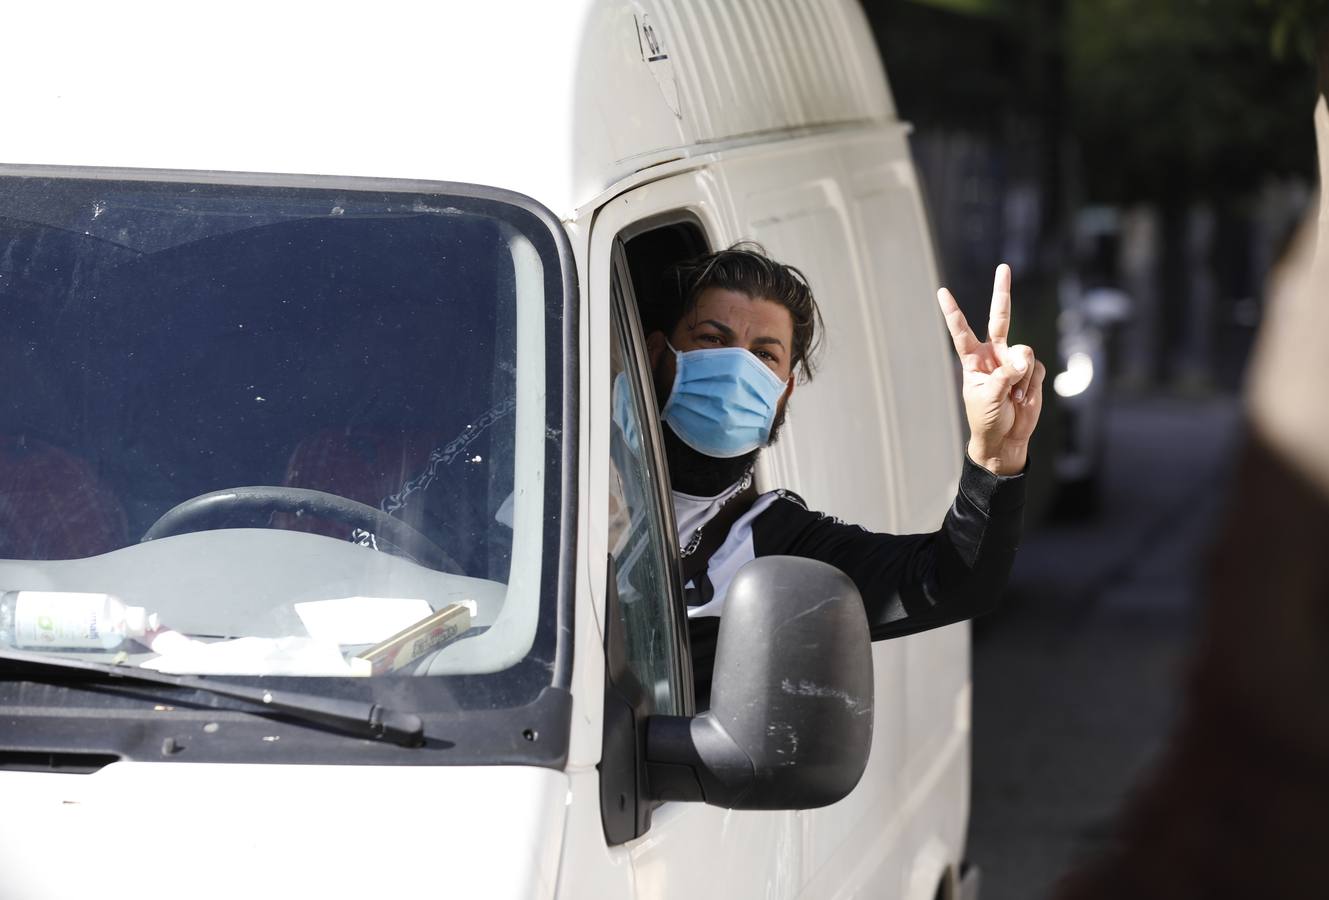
(557,100)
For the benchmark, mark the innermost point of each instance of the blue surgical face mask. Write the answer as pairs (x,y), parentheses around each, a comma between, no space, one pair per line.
(723,402)
(625,417)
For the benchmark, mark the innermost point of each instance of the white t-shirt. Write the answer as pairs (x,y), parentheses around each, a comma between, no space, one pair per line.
(691,512)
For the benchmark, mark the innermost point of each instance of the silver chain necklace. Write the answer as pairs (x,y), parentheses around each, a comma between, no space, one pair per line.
(695,541)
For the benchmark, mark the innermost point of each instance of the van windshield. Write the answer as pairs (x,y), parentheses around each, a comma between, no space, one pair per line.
(273,430)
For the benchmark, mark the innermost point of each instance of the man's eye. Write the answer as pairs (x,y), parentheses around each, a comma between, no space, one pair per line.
(711,339)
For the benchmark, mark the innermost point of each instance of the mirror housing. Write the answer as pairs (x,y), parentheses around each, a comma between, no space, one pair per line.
(790,724)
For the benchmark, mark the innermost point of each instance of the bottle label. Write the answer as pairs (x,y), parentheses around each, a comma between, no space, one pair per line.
(60,619)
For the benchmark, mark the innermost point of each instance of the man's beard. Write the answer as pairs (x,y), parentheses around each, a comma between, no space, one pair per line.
(693,472)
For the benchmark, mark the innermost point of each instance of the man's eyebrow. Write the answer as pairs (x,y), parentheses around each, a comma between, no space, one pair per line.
(718,326)
(729,333)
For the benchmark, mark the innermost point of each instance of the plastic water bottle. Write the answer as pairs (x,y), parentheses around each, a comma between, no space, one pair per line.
(70,621)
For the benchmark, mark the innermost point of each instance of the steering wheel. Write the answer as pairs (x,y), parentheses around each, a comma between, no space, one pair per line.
(190,515)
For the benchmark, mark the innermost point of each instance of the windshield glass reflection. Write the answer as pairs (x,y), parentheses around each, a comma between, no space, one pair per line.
(266,430)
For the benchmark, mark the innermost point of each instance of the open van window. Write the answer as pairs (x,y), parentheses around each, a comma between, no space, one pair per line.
(286,422)
(653,248)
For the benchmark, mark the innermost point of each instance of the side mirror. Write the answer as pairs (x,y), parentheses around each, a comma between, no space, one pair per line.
(790,724)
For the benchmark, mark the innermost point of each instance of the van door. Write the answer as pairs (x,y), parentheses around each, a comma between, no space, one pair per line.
(684,850)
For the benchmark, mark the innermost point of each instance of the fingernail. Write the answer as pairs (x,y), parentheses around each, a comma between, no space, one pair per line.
(1021,365)
(1019,395)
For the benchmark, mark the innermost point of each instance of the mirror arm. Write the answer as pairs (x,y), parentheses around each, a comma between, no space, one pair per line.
(695,759)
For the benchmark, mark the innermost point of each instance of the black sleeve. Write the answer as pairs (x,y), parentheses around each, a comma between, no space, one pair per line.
(918,581)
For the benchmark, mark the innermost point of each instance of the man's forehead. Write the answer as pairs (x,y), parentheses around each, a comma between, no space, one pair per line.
(746,316)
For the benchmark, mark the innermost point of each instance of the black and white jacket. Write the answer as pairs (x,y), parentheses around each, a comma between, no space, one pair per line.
(909,582)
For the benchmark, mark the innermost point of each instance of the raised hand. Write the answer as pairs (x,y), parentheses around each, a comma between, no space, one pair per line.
(1003,385)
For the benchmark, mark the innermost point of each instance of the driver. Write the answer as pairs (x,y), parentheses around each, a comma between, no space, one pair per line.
(726,362)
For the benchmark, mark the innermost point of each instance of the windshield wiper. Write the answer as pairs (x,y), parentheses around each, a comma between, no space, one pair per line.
(354,717)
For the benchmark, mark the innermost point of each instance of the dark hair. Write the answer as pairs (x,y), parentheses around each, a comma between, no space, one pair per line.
(747,269)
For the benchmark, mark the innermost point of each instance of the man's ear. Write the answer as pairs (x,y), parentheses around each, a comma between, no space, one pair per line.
(789,387)
(656,345)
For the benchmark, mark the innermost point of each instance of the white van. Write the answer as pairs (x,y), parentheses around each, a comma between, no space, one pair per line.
(290,416)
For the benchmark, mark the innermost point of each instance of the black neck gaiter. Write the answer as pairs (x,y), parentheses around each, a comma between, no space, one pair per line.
(693,472)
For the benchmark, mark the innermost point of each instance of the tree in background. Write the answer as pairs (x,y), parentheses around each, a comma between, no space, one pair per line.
(1180,110)
(1301,28)
(1172,99)
(1174,108)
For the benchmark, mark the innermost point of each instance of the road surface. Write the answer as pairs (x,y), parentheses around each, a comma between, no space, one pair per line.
(1076,680)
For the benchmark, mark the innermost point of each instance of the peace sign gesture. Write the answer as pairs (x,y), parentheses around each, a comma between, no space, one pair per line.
(1003,385)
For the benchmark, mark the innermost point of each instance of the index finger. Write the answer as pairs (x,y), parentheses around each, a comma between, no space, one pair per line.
(963,336)
(999,319)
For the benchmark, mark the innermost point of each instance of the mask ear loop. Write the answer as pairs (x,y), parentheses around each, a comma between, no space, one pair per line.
(673,387)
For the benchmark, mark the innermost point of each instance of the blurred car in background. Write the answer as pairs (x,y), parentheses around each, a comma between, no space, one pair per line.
(1093,307)
(1081,385)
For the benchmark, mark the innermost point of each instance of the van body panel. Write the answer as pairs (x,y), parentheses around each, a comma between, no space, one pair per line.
(792,199)
(228,831)
(693,850)
(753,66)
(900,278)
(901,275)
(589,867)
(884,403)
(409,93)
(588,678)
(889,855)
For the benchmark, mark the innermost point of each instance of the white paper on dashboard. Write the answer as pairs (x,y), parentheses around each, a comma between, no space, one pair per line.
(360,620)
(254,656)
